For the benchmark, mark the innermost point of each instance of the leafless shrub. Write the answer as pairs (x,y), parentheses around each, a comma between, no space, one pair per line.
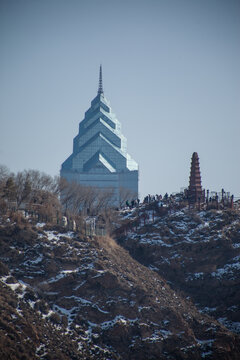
(124,195)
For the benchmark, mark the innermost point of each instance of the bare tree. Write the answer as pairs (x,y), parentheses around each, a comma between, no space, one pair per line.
(104,200)
(78,198)
(67,194)
(9,190)
(4,176)
(4,173)
(47,205)
(124,195)
(23,187)
(41,181)
(90,199)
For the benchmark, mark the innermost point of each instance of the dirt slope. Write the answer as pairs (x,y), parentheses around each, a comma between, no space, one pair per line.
(93,294)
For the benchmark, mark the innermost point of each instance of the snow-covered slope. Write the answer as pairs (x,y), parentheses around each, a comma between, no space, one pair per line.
(91,293)
(198,253)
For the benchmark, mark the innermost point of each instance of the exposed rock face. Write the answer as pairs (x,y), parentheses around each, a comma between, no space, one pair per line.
(98,302)
(198,253)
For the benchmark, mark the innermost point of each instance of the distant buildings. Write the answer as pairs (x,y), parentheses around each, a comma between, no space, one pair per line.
(100,157)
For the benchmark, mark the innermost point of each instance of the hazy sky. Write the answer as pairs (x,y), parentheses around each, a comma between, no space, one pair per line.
(170,71)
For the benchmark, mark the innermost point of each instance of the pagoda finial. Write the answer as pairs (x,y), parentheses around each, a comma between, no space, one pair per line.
(100,86)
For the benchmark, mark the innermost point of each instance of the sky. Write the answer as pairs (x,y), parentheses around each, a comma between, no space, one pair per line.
(170,71)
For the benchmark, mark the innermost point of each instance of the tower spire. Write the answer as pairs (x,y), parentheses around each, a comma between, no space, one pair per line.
(100,86)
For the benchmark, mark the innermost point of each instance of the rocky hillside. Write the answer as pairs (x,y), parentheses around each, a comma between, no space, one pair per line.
(198,253)
(65,296)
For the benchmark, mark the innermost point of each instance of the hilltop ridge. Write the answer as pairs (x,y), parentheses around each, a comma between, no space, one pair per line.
(100,302)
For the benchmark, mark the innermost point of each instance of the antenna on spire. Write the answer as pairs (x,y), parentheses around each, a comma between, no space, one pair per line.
(100,86)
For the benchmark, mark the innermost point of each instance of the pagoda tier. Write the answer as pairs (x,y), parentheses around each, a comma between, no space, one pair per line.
(195,192)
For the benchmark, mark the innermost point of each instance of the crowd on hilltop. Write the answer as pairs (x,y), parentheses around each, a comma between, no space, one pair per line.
(215,201)
(151,198)
(133,203)
(50,198)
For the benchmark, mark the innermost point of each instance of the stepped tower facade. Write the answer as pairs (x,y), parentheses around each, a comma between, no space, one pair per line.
(100,157)
(195,192)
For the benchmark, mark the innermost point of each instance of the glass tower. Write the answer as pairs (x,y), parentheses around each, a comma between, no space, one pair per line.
(100,157)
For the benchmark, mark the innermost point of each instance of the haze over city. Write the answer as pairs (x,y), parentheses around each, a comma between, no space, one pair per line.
(170,71)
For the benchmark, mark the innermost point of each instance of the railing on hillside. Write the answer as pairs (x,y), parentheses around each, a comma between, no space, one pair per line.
(86,225)
(152,209)
(98,231)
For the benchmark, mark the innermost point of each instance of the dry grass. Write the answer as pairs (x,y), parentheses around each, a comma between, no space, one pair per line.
(107,243)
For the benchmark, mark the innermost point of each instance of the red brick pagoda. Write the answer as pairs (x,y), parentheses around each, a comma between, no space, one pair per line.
(195,192)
